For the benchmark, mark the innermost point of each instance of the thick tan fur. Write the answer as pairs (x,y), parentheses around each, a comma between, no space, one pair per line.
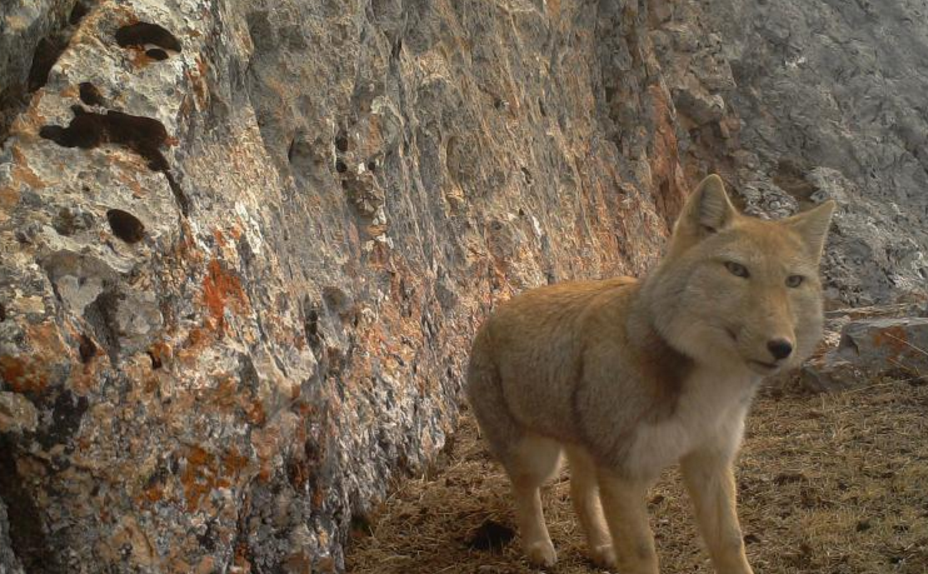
(629,377)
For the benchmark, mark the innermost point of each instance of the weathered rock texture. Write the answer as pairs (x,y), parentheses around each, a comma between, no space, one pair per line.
(32,35)
(9,564)
(870,343)
(245,245)
(795,102)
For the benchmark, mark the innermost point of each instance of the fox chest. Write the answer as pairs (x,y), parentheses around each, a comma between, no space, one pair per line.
(705,416)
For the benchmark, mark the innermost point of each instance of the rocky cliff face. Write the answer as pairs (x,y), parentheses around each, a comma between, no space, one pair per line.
(795,102)
(245,244)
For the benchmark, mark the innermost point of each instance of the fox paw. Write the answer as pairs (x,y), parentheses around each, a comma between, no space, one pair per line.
(603,556)
(541,553)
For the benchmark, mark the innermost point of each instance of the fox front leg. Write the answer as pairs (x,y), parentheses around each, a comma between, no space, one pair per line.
(710,482)
(625,506)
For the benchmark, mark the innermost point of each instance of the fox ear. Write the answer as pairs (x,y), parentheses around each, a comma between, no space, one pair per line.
(813,226)
(708,209)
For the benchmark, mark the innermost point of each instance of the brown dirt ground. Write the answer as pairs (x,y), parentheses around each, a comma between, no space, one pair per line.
(832,483)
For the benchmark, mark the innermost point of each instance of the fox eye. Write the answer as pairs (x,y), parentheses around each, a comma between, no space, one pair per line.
(737,269)
(794,281)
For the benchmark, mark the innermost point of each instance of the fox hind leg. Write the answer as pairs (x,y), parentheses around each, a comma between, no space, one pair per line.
(532,463)
(528,459)
(584,493)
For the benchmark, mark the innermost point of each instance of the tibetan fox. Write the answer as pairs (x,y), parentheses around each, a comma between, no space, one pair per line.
(627,377)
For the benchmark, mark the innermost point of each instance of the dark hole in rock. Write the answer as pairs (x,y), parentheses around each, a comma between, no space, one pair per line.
(340,166)
(67,413)
(90,95)
(790,176)
(26,532)
(101,315)
(142,33)
(89,129)
(156,362)
(77,13)
(46,54)
(341,141)
(179,195)
(87,349)
(207,540)
(491,535)
(372,165)
(156,54)
(291,149)
(125,225)
(2,312)
(311,328)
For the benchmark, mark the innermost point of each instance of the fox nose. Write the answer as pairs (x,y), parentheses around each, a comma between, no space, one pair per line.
(780,348)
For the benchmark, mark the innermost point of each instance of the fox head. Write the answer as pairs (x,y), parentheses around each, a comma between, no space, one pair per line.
(739,291)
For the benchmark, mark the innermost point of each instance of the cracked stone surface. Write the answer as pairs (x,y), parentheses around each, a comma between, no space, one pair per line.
(872,347)
(245,246)
(795,102)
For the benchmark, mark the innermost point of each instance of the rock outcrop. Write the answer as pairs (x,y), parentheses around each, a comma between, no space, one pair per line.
(869,344)
(246,244)
(796,102)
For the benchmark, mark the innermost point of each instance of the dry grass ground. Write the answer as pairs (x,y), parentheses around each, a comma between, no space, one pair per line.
(834,483)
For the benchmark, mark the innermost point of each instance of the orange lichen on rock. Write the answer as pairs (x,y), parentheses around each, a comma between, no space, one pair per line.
(254,412)
(23,374)
(22,172)
(233,462)
(200,477)
(152,494)
(893,339)
(9,197)
(204,474)
(219,289)
(198,83)
(242,565)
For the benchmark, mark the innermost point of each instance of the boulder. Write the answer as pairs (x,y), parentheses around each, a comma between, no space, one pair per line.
(871,348)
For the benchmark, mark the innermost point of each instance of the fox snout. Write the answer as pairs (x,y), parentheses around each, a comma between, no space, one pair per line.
(780,348)
(767,354)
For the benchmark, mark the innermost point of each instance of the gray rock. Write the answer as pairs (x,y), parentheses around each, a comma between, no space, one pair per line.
(9,564)
(870,348)
(825,100)
(17,414)
(32,35)
(887,344)
(831,97)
